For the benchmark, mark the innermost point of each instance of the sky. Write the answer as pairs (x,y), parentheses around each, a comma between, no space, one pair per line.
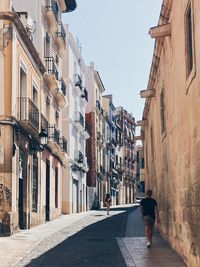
(114,34)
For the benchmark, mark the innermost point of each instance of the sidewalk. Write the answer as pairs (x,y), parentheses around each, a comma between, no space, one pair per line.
(132,246)
(134,251)
(14,248)
(18,245)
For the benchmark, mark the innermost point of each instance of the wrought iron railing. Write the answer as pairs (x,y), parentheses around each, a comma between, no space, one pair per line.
(61,31)
(102,170)
(28,112)
(51,67)
(98,105)
(54,134)
(85,94)
(78,156)
(44,123)
(78,81)
(51,5)
(63,144)
(79,118)
(63,86)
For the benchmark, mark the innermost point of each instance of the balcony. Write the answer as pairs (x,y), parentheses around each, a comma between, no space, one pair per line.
(119,168)
(85,167)
(79,121)
(78,83)
(67,5)
(51,12)
(84,94)
(51,75)
(102,170)
(100,138)
(62,152)
(99,108)
(44,124)
(111,142)
(86,132)
(53,138)
(80,162)
(60,37)
(60,93)
(28,115)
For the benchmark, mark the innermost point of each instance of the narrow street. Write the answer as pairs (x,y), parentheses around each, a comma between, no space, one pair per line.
(88,239)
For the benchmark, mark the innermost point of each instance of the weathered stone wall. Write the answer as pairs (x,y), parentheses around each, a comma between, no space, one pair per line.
(173,156)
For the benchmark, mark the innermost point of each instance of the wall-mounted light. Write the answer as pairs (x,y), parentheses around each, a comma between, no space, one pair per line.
(43,137)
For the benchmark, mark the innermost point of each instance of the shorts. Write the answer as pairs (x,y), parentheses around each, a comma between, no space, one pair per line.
(148,220)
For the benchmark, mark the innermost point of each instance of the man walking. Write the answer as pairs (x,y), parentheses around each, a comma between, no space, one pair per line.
(150,212)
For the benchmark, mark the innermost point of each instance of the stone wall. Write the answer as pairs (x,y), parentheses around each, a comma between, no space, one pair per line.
(172,155)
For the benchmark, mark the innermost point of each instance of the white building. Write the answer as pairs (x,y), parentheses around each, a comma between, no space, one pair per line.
(74,126)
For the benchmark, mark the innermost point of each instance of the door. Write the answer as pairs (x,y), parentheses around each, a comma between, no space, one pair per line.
(75,197)
(22,190)
(47,190)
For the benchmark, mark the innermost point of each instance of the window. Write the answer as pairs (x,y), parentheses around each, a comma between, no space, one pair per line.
(23,83)
(56,187)
(35,95)
(48,109)
(35,184)
(189,40)
(57,119)
(162,112)
(47,50)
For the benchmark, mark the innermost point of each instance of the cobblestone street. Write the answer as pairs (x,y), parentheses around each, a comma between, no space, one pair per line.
(88,239)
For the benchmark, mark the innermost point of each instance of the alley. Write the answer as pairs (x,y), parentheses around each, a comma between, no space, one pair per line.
(88,239)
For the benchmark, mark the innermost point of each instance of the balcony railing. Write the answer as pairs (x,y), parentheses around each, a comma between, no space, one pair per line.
(98,105)
(79,119)
(63,144)
(63,86)
(51,67)
(78,81)
(54,134)
(85,94)
(51,5)
(28,112)
(102,170)
(44,124)
(78,156)
(61,31)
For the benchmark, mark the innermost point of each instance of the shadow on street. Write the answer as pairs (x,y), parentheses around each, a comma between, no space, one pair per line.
(94,246)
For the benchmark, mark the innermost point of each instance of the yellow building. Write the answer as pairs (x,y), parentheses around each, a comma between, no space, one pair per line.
(33,94)
(171,129)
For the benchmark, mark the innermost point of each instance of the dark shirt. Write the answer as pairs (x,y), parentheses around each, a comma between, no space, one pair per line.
(148,207)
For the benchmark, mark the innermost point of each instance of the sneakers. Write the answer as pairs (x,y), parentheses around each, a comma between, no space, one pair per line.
(149,245)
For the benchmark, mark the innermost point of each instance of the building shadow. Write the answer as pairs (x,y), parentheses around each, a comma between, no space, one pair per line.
(93,246)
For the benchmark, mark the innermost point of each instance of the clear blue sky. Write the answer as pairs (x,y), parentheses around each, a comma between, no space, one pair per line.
(114,34)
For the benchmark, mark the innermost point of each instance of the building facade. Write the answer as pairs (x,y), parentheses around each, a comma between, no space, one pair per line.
(126,135)
(34,94)
(96,179)
(171,131)
(110,150)
(74,125)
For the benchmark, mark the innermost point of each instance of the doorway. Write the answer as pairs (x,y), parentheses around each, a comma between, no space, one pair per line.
(22,189)
(75,196)
(47,190)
